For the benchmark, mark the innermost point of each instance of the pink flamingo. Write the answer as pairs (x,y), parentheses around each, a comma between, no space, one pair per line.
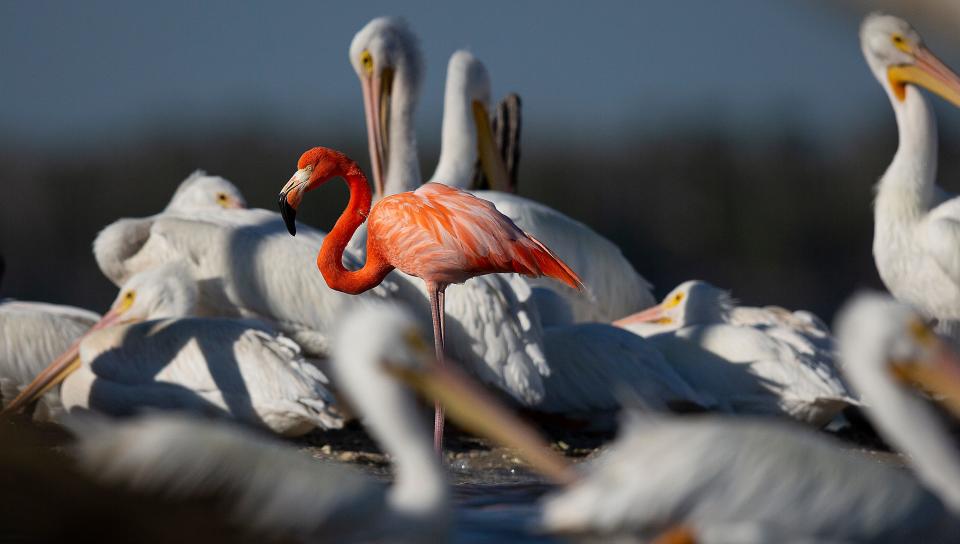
(438,233)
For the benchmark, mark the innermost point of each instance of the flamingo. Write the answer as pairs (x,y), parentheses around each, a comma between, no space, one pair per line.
(753,360)
(388,62)
(279,492)
(437,233)
(146,353)
(916,241)
(717,479)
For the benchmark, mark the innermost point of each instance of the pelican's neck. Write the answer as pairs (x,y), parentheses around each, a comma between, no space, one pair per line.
(458,147)
(390,414)
(330,259)
(403,166)
(906,189)
(912,427)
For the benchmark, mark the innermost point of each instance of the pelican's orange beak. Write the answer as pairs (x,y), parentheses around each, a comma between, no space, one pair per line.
(940,374)
(377,90)
(476,411)
(927,72)
(491,162)
(65,364)
(653,314)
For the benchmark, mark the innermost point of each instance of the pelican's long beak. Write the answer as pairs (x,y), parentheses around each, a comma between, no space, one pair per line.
(474,410)
(491,162)
(928,72)
(377,90)
(652,314)
(291,195)
(940,375)
(61,367)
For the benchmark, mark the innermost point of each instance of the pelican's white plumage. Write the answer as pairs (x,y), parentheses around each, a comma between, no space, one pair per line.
(616,287)
(781,363)
(31,335)
(239,369)
(712,474)
(282,491)
(916,243)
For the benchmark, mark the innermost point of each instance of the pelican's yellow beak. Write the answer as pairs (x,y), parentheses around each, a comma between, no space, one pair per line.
(476,411)
(940,374)
(491,162)
(377,90)
(927,72)
(68,361)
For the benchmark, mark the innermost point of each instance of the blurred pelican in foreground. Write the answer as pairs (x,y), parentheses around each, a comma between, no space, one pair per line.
(387,59)
(753,360)
(916,241)
(31,335)
(282,492)
(739,480)
(145,353)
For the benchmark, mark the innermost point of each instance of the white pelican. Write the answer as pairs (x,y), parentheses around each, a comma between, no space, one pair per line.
(200,192)
(31,335)
(779,363)
(388,62)
(145,353)
(715,479)
(916,241)
(275,489)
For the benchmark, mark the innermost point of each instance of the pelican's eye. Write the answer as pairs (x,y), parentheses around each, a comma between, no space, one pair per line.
(900,42)
(674,301)
(366,60)
(920,332)
(415,341)
(127,301)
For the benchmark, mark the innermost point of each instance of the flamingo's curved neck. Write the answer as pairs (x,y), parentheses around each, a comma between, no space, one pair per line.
(907,187)
(330,259)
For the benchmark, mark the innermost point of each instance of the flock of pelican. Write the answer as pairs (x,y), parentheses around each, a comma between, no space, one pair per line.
(221,313)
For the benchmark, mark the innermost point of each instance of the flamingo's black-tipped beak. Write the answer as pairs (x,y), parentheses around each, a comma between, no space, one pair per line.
(289,214)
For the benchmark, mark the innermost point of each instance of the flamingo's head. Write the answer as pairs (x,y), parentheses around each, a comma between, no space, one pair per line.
(315,167)
(898,58)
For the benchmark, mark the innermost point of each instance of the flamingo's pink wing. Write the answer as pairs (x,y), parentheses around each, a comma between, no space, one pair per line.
(443,234)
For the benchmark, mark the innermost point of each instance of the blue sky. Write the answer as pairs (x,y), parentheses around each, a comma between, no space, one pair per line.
(80,72)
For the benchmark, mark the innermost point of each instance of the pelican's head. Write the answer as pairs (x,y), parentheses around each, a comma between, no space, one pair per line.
(162,292)
(884,344)
(897,57)
(200,192)
(384,52)
(693,302)
(165,291)
(315,167)
(467,129)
